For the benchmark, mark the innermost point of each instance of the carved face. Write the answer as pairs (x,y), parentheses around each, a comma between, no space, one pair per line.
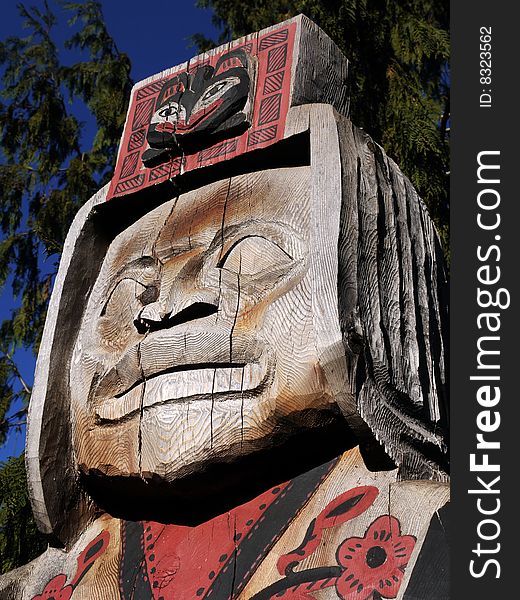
(198,343)
(193,108)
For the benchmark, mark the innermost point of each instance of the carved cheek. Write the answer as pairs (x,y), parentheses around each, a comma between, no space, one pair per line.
(201,114)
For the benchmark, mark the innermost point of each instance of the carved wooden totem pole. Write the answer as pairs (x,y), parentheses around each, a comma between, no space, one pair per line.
(241,390)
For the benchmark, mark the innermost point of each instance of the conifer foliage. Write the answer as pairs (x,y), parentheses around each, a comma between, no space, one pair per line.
(398,52)
(48,169)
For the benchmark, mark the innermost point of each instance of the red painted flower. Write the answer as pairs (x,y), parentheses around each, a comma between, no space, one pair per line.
(374,564)
(56,589)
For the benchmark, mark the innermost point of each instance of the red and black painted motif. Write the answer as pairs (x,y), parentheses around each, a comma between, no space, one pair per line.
(142,114)
(136,140)
(371,567)
(273,83)
(218,107)
(195,108)
(58,588)
(129,165)
(217,559)
(162,561)
(270,109)
(274,39)
(263,135)
(160,172)
(218,150)
(149,90)
(129,185)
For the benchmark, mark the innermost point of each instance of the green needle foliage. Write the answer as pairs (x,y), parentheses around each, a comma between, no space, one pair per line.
(20,541)
(46,174)
(399,51)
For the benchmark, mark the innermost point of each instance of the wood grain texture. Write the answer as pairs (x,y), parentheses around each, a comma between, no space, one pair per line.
(321,70)
(48,423)
(235,317)
(411,503)
(398,313)
(391,290)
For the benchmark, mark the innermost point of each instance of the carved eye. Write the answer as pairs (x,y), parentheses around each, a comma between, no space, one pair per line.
(122,297)
(217,90)
(255,256)
(168,111)
(213,90)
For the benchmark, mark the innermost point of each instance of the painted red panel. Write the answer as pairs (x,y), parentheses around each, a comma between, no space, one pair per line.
(274,54)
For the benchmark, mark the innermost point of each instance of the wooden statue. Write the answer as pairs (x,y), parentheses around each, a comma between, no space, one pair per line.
(241,389)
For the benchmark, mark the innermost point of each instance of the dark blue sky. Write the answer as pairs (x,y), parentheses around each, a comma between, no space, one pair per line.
(155,35)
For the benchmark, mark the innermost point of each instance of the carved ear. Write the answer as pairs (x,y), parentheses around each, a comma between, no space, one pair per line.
(199,78)
(174,87)
(233,59)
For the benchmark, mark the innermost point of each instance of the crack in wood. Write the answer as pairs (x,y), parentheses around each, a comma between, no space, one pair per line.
(141,412)
(212,407)
(235,557)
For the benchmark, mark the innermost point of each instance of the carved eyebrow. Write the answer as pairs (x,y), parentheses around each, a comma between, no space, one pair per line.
(222,259)
(184,245)
(140,263)
(271,231)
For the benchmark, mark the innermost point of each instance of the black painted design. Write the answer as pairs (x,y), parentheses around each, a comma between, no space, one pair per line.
(344,507)
(195,110)
(255,546)
(143,114)
(148,90)
(94,549)
(160,171)
(300,550)
(133,580)
(129,165)
(277,58)
(225,148)
(129,184)
(296,579)
(262,135)
(430,577)
(376,556)
(136,140)
(273,83)
(273,39)
(270,109)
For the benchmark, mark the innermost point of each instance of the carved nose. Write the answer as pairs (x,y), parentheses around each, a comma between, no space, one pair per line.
(152,318)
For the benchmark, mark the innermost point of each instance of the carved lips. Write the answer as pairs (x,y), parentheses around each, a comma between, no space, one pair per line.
(170,366)
(194,110)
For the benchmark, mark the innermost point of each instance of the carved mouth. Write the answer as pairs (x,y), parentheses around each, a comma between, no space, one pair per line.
(217,381)
(181,363)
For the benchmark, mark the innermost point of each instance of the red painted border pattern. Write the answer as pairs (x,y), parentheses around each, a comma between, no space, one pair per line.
(274,52)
